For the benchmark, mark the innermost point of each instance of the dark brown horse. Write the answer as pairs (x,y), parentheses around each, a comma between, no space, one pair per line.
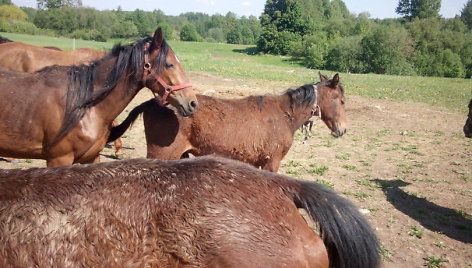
(201,212)
(257,130)
(64,114)
(4,40)
(21,57)
(468,122)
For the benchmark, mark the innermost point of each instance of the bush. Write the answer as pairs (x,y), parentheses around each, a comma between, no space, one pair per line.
(20,27)
(189,33)
(343,55)
(88,35)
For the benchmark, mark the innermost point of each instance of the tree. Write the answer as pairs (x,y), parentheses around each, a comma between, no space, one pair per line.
(49,4)
(466,14)
(418,8)
(189,33)
(282,23)
(5,2)
(11,13)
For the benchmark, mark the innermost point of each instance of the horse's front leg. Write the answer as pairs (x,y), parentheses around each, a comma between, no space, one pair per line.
(272,164)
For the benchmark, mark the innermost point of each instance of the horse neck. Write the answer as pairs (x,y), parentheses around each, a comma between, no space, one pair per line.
(294,115)
(120,96)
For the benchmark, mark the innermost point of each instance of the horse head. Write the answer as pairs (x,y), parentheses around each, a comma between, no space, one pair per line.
(165,76)
(331,100)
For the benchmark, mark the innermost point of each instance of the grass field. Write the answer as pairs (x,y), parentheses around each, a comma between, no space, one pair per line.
(239,61)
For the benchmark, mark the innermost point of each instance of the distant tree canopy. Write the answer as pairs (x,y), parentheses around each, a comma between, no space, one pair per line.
(466,14)
(418,8)
(5,2)
(48,4)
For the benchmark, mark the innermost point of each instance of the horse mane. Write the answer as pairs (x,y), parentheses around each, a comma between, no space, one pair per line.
(80,92)
(304,95)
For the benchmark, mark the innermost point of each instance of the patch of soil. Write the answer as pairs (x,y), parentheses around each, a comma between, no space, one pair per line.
(406,165)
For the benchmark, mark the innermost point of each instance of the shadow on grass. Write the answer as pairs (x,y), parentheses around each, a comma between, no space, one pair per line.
(248,51)
(449,222)
(251,51)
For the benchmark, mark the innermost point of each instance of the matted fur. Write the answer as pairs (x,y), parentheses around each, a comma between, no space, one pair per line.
(201,212)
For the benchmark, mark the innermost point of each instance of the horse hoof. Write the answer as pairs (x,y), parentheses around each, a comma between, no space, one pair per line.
(120,157)
(15,161)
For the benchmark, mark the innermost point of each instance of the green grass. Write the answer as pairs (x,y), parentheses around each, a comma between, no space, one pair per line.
(238,61)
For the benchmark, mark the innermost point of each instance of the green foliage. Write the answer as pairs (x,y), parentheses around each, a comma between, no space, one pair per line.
(344,55)
(282,24)
(466,14)
(12,13)
(5,2)
(50,4)
(419,8)
(189,33)
(386,51)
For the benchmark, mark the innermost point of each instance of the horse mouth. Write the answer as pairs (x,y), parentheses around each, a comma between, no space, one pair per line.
(184,112)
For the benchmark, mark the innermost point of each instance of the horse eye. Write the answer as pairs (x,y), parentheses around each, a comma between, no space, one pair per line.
(169,65)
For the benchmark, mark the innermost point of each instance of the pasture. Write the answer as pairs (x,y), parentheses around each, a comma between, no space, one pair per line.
(404,160)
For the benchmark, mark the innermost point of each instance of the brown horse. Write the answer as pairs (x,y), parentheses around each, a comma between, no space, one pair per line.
(257,130)
(31,58)
(28,58)
(4,40)
(468,122)
(201,212)
(64,114)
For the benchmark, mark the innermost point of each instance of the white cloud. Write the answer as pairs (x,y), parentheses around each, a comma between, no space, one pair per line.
(246,4)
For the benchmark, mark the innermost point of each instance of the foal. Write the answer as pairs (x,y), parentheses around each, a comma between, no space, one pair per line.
(257,130)
(200,212)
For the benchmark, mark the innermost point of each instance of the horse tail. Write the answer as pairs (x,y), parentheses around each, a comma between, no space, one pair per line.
(348,237)
(119,130)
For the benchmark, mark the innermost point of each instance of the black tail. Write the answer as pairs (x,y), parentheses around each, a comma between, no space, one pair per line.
(119,130)
(348,237)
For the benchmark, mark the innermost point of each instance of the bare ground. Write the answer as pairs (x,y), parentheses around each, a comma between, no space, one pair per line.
(406,165)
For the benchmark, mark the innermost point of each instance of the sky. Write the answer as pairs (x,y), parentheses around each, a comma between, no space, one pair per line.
(377,8)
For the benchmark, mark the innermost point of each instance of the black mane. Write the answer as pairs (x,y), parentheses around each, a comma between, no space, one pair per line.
(81,94)
(304,95)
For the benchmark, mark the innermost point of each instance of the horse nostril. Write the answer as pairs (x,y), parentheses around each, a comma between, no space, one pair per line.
(193,104)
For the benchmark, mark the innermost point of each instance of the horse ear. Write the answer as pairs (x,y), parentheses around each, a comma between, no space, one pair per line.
(158,37)
(323,78)
(335,81)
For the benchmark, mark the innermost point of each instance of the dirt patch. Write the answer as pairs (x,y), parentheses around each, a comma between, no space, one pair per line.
(406,165)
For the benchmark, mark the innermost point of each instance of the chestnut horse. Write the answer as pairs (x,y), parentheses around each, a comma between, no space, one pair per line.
(468,122)
(28,58)
(64,114)
(22,57)
(200,212)
(257,130)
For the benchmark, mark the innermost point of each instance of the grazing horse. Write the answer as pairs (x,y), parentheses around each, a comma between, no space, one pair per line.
(28,58)
(64,114)
(200,212)
(257,130)
(468,122)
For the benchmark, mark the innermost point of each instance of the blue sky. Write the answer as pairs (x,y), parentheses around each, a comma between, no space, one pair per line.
(377,8)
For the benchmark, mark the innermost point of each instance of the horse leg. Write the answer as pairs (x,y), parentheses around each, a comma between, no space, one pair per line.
(118,144)
(61,161)
(119,148)
(272,164)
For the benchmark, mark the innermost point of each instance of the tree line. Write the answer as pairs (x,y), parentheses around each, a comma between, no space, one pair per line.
(321,34)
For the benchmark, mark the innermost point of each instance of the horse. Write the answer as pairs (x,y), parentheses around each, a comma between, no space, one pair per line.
(27,58)
(64,114)
(468,123)
(199,212)
(308,125)
(257,130)
(4,40)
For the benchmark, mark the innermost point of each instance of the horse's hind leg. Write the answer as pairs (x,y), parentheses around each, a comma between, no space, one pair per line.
(119,148)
